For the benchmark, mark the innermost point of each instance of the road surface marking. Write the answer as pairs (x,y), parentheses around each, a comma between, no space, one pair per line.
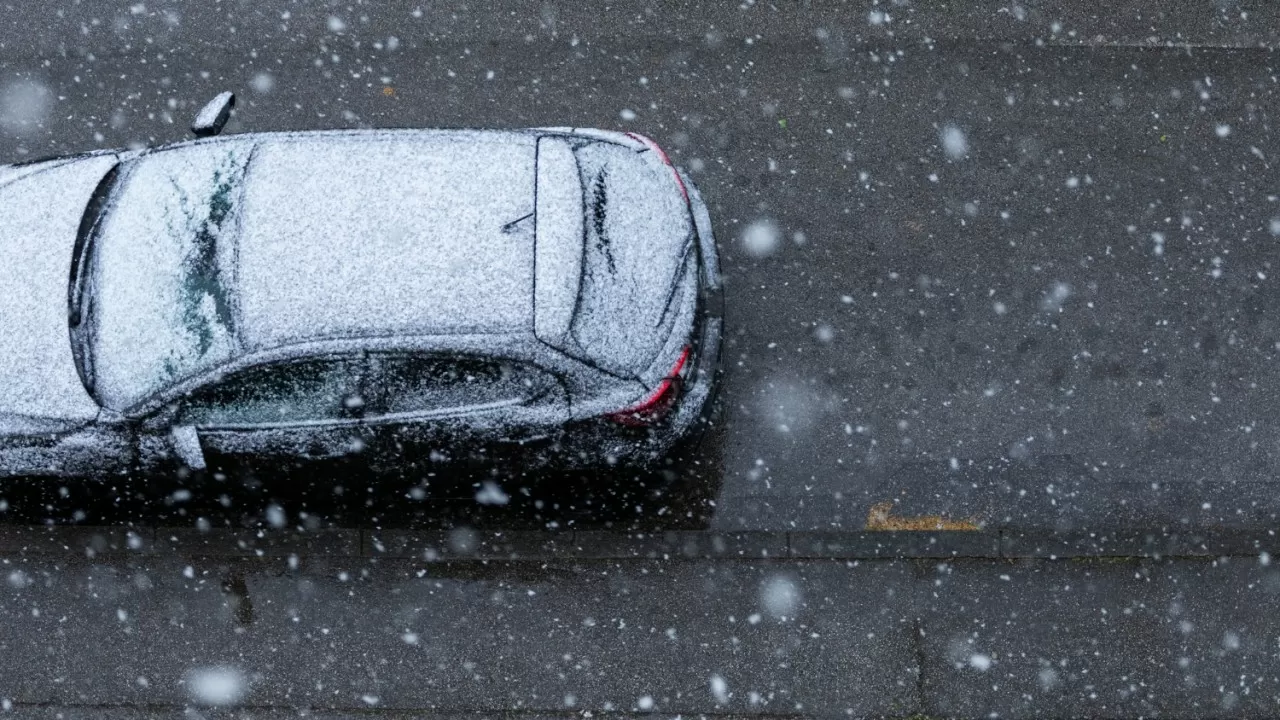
(881,518)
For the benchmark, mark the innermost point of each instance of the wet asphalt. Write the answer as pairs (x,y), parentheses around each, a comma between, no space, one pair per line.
(1002,266)
(1082,278)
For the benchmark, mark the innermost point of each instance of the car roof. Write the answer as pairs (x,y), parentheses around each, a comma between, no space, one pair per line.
(217,248)
(386,233)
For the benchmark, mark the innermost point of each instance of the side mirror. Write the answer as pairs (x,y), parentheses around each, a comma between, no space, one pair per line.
(186,445)
(213,116)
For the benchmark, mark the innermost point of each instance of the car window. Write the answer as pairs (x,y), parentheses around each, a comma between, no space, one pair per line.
(417,383)
(305,391)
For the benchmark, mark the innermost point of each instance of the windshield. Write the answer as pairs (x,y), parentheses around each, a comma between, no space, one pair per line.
(138,326)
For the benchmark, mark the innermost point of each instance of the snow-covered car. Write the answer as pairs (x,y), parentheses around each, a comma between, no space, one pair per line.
(551,295)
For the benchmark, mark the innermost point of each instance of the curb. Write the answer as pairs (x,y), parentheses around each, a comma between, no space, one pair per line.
(463,543)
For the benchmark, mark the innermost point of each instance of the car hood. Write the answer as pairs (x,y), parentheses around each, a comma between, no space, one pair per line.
(39,214)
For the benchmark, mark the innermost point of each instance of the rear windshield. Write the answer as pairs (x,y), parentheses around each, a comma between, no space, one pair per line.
(637,236)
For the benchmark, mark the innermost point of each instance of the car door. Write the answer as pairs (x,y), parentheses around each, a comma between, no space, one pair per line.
(432,408)
(272,417)
(45,448)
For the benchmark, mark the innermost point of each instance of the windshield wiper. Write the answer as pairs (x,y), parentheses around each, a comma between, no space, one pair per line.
(79,304)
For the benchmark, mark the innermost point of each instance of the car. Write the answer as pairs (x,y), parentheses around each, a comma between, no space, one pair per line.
(544,297)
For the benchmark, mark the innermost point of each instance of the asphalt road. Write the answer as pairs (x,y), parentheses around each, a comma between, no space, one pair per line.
(1004,264)
(1085,278)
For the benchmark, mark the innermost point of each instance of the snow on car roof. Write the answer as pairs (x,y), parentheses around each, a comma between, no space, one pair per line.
(215,248)
(413,232)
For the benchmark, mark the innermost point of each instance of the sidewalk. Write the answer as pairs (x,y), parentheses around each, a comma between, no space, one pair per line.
(746,637)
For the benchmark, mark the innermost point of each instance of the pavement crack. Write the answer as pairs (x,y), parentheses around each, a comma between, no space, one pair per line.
(917,646)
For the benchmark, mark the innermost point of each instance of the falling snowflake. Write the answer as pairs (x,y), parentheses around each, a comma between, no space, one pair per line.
(780,596)
(276,516)
(24,106)
(217,685)
(761,238)
(490,494)
(954,142)
(719,690)
(263,82)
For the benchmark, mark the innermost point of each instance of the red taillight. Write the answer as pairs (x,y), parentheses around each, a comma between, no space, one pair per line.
(658,403)
(665,160)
